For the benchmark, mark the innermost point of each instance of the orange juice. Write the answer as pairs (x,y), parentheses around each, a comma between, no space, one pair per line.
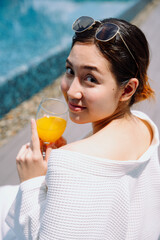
(50,128)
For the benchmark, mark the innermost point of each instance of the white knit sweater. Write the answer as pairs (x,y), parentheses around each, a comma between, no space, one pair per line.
(89,198)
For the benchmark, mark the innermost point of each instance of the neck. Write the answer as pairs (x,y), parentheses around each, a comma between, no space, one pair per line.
(117,115)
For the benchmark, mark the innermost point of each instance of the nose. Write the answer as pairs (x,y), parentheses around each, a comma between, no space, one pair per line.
(75,89)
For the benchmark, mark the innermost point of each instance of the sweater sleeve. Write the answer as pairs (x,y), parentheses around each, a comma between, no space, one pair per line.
(27,209)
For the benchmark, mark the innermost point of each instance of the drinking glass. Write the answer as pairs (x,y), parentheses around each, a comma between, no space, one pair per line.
(51,119)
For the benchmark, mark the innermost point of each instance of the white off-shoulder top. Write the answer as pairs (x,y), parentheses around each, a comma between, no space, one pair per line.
(89,198)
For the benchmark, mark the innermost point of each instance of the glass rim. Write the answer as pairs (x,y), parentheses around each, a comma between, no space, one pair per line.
(51,113)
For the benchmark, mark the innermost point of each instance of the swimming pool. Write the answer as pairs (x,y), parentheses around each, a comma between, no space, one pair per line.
(35,37)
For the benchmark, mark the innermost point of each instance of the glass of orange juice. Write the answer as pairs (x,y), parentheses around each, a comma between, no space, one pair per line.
(51,119)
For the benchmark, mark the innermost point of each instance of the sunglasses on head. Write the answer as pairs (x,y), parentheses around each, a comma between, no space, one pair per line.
(104,33)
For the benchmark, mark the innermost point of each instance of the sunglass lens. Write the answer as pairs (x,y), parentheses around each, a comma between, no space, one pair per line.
(106,32)
(82,23)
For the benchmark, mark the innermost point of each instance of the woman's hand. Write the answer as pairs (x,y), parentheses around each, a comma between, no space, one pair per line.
(47,148)
(57,144)
(30,162)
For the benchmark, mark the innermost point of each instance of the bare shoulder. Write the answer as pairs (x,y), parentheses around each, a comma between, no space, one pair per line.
(121,141)
(78,146)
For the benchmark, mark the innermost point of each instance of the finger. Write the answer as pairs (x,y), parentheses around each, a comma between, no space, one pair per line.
(35,138)
(48,151)
(49,148)
(21,151)
(28,145)
(22,158)
(28,155)
(63,141)
(51,145)
(60,142)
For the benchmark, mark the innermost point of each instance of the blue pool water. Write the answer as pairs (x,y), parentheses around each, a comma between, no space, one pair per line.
(35,37)
(31,28)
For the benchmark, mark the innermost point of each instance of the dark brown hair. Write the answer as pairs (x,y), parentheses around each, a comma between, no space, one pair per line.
(122,64)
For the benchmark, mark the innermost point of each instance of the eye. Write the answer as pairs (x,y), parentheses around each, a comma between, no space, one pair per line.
(69,71)
(91,79)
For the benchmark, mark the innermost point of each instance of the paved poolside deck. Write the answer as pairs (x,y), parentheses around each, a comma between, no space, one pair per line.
(8,173)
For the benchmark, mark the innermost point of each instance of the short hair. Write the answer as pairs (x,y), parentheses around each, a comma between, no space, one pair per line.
(122,65)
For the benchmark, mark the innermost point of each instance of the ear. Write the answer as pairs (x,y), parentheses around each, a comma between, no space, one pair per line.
(129,89)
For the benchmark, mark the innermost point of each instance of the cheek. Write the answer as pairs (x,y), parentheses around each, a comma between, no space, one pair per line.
(95,96)
(94,100)
(102,101)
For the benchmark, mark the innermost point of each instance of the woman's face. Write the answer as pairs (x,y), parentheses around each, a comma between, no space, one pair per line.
(89,87)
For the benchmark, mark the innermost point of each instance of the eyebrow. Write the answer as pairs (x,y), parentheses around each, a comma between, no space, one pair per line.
(93,68)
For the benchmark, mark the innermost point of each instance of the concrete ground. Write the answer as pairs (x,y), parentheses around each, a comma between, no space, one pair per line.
(151,26)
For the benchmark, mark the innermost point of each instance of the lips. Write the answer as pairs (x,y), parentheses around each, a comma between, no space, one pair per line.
(75,107)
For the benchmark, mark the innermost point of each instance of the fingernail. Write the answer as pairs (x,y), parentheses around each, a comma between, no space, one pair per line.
(32,120)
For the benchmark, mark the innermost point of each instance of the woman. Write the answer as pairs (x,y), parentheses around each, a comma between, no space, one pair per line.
(105,186)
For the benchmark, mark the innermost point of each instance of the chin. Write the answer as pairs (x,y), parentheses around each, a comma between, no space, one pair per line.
(78,119)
